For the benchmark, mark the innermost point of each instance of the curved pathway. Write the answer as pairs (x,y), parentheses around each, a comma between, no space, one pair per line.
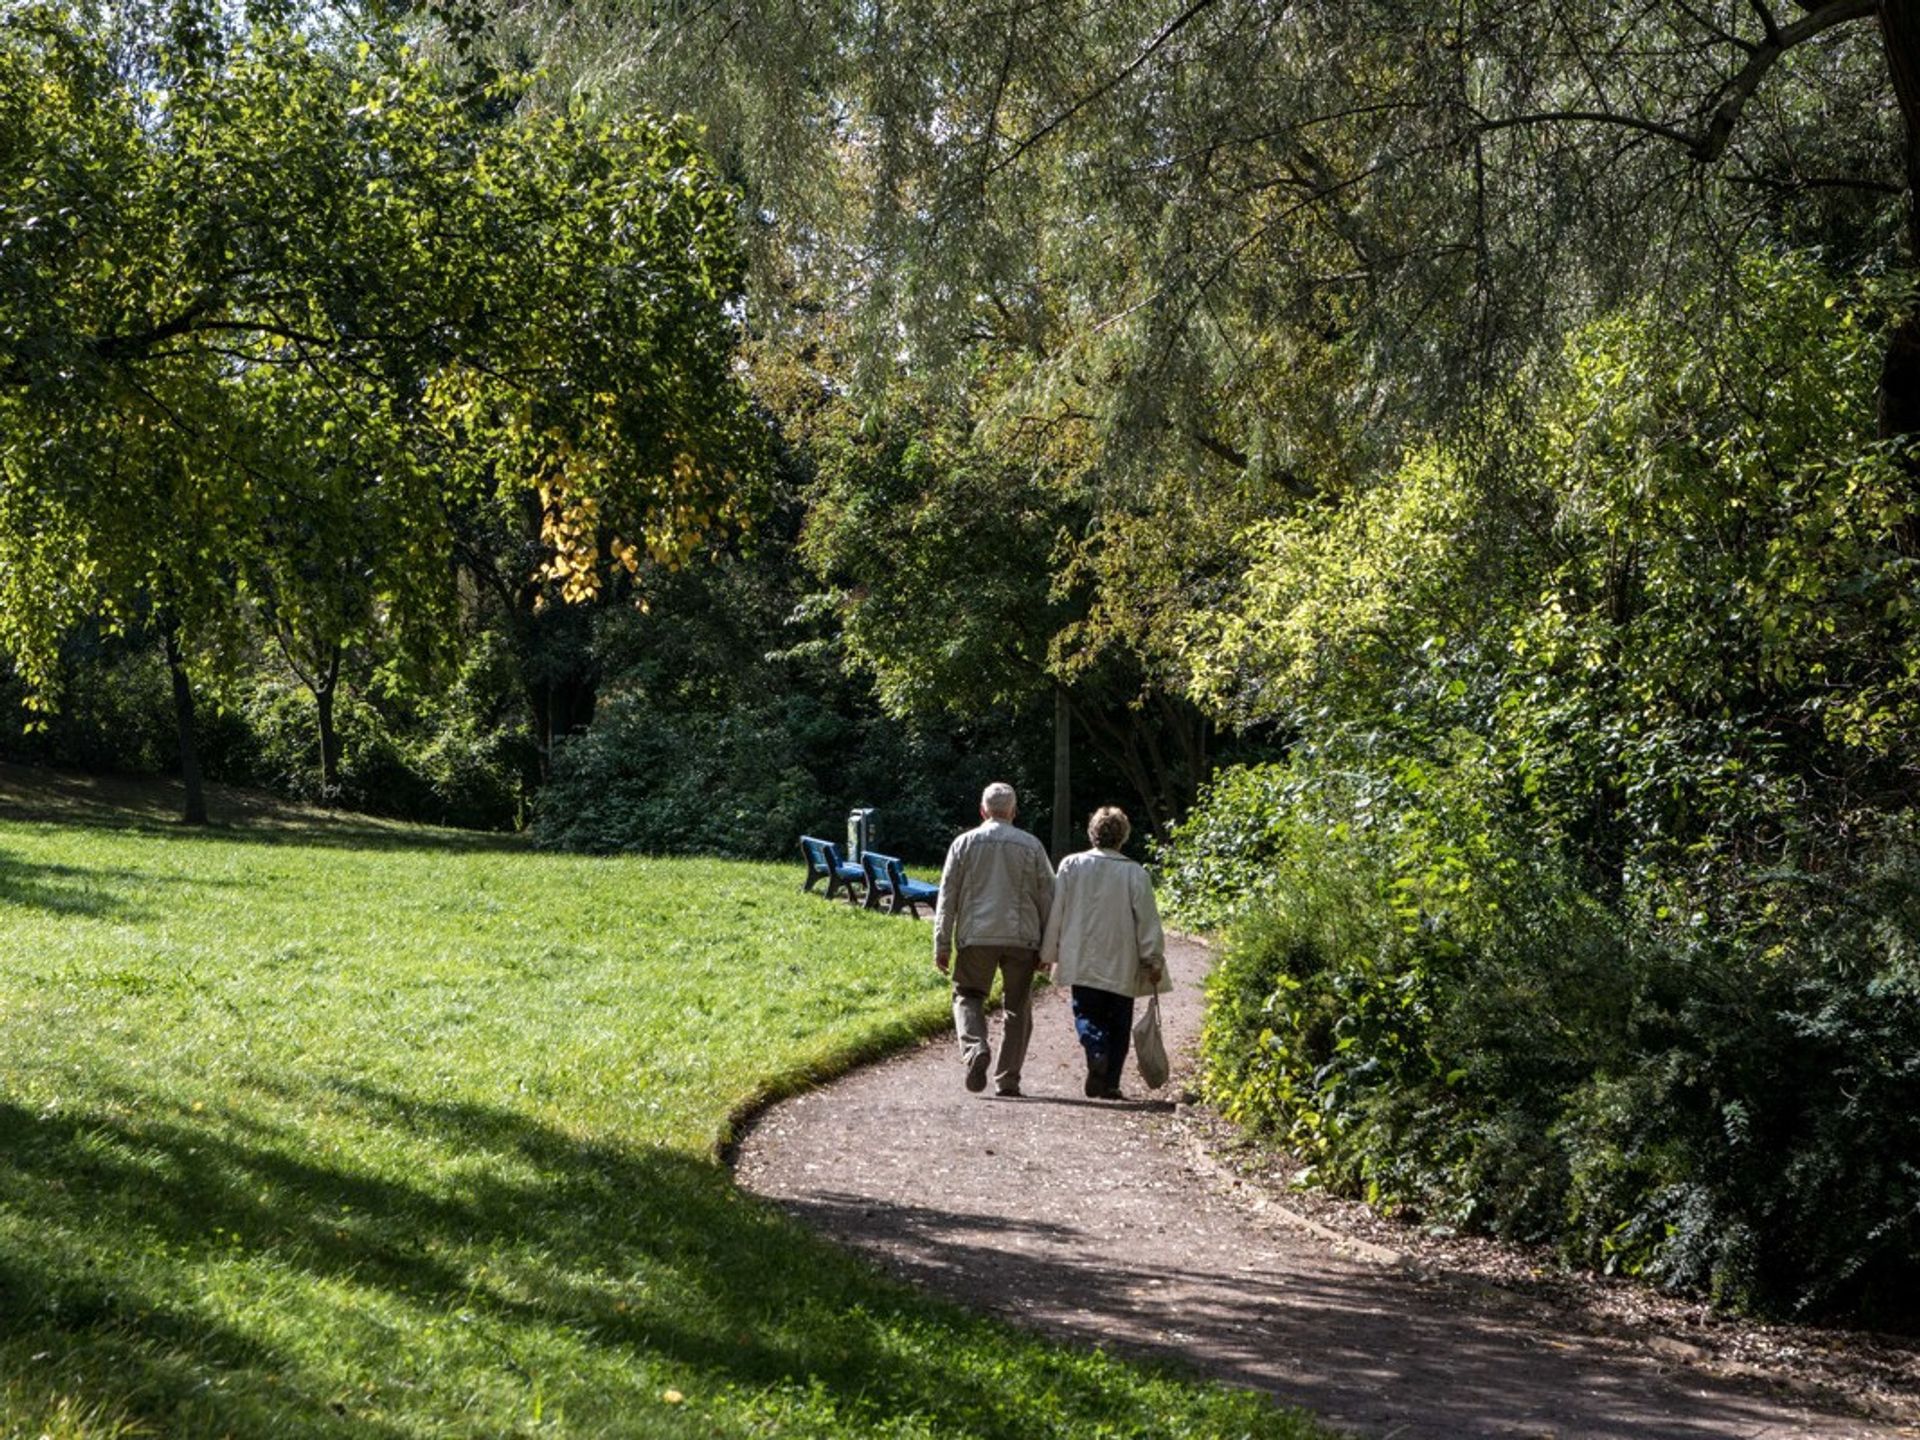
(1094,1221)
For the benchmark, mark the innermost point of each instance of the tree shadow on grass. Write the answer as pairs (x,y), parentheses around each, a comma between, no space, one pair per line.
(68,889)
(86,1343)
(152,806)
(558,1256)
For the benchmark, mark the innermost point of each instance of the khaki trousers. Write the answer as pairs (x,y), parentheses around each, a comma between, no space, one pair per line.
(973,971)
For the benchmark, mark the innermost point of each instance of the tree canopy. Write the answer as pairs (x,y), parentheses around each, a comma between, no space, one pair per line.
(281,305)
(1184,207)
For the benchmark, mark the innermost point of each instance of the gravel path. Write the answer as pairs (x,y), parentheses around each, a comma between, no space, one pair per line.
(1101,1222)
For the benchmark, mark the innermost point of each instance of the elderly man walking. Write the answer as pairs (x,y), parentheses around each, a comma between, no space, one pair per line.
(996,890)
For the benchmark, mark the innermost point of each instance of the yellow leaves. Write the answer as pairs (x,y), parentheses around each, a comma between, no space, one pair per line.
(570,528)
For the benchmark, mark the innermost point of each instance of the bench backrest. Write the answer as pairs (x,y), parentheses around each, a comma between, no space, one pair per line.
(820,858)
(879,869)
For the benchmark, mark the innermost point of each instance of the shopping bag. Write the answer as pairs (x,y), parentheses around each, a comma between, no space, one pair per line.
(1149,1050)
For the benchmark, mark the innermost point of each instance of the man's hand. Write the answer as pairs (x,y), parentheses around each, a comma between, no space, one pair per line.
(940,962)
(1153,973)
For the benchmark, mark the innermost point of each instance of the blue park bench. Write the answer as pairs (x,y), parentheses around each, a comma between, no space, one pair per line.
(887,877)
(824,862)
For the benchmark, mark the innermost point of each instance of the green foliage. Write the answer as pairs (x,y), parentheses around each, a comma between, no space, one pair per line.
(972,572)
(1677,606)
(1231,848)
(1586,914)
(461,757)
(1337,605)
(1754,1139)
(385,1130)
(942,559)
(118,715)
(1724,638)
(1728,1112)
(662,783)
(1289,240)
(726,726)
(291,304)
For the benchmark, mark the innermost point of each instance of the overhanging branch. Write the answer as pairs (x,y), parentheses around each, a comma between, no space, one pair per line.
(1722,112)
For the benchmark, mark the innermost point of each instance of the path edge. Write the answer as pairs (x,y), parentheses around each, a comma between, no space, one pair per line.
(894,1038)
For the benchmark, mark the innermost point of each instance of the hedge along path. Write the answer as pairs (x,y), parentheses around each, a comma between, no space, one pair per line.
(1097,1222)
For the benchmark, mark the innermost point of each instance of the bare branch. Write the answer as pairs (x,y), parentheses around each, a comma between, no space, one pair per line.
(1740,89)
(1488,126)
(1797,184)
(1709,144)
(1172,28)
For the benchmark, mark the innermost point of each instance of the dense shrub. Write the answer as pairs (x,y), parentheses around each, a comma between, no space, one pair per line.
(1732,1109)
(750,779)
(459,756)
(727,728)
(1586,909)
(641,779)
(115,714)
(1757,1137)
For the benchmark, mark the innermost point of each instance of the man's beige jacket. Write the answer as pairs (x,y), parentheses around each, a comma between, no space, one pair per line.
(1105,928)
(995,889)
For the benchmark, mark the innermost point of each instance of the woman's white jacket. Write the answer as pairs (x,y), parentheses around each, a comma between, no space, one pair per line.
(1104,929)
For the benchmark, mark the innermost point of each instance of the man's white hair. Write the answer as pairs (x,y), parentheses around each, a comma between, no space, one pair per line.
(997,800)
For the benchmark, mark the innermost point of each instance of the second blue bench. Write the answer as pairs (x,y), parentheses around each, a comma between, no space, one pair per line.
(824,862)
(887,879)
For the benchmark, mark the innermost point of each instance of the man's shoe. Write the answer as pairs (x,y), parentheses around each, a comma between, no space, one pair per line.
(1009,1091)
(1111,1092)
(977,1071)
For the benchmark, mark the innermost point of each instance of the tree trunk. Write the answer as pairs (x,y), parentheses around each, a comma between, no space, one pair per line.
(323,694)
(1062,774)
(195,812)
(560,708)
(1118,743)
(1900,372)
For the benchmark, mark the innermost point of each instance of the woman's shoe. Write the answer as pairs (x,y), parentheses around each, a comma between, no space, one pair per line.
(1096,1076)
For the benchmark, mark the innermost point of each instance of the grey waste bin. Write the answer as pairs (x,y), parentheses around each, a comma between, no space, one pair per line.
(861,832)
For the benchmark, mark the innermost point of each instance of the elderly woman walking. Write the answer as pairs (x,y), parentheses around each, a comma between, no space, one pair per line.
(1103,936)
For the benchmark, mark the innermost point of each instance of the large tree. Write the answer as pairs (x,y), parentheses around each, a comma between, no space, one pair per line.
(958,575)
(282,306)
(1203,191)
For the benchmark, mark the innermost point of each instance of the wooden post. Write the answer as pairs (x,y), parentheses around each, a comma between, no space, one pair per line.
(1062,774)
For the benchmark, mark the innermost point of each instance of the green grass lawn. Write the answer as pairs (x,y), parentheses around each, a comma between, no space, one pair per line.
(318,1128)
